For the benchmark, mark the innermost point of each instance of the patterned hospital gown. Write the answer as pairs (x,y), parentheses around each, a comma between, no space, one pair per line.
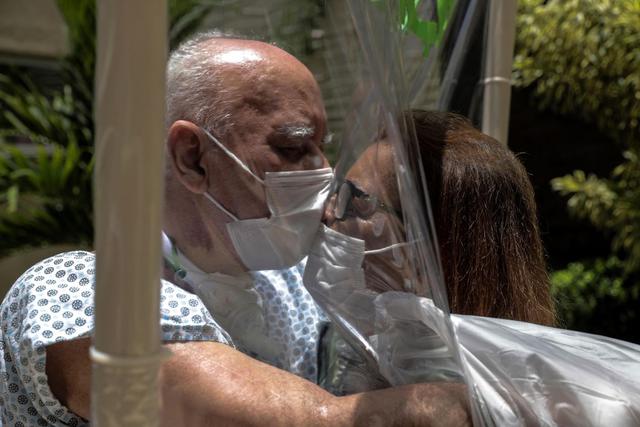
(293,320)
(269,314)
(53,302)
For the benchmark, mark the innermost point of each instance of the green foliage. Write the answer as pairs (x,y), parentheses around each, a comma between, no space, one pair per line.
(79,65)
(581,57)
(598,297)
(613,205)
(46,195)
(46,184)
(185,16)
(428,31)
(295,27)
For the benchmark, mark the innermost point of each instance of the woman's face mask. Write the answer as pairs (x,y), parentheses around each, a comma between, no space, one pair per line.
(359,253)
(367,218)
(366,207)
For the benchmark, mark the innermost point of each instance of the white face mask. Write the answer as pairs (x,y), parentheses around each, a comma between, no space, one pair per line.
(384,333)
(295,200)
(334,272)
(335,261)
(335,278)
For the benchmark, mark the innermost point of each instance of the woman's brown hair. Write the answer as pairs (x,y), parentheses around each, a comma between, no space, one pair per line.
(486,222)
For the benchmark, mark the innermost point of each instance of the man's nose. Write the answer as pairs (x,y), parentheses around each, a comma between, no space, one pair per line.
(329,216)
(315,158)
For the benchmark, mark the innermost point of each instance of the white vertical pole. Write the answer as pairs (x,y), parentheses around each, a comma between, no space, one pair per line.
(128,197)
(497,70)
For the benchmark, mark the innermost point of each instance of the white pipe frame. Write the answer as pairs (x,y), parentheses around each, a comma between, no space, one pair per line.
(501,32)
(128,199)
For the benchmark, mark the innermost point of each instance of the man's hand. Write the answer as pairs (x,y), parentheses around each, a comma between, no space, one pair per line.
(207,383)
(428,404)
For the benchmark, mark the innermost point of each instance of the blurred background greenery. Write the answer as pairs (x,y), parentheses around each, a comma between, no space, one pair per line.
(578,64)
(574,121)
(45,189)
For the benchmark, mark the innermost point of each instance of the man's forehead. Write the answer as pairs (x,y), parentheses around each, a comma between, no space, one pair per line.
(261,72)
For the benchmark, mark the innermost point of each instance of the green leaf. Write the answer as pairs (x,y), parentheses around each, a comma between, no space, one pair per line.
(429,32)
(12,198)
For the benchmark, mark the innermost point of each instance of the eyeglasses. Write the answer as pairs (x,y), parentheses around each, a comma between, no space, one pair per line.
(353,201)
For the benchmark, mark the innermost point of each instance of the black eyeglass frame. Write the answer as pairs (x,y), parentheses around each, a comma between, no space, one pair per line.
(349,191)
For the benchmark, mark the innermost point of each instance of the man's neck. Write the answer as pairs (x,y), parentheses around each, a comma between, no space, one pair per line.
(215,260)
(198,231)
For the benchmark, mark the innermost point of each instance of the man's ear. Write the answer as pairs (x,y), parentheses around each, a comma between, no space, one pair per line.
(186,144)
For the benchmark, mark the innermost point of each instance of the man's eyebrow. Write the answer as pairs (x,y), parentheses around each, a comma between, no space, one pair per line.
(302,131)
(296,130)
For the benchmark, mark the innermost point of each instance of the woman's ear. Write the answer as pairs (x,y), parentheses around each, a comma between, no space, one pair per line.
(186,145)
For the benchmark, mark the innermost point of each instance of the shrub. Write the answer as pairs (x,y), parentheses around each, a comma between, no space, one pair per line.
(582,58)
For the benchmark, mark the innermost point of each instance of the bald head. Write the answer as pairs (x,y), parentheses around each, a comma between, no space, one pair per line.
(247,54)
(210,75)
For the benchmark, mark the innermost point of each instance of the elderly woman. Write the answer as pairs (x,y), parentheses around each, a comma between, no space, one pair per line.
(491,253)
(484,213)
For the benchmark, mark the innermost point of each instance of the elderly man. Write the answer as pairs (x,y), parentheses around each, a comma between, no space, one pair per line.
(245,173)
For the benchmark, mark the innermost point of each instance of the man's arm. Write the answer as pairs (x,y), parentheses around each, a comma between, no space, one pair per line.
(207,382)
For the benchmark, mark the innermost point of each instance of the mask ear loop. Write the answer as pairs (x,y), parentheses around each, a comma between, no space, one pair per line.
(219,206)
(239,163)
(233,157)
(388,248)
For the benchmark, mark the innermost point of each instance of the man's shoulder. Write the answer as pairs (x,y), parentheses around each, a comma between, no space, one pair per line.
(79,260)
(74,268)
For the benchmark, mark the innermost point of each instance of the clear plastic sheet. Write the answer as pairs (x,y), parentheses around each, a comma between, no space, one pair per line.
(376,269)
